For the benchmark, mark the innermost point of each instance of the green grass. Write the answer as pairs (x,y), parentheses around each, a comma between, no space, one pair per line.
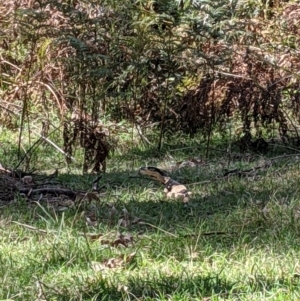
(238,239)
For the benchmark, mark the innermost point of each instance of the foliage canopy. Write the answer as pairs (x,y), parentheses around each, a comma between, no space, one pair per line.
(191,66)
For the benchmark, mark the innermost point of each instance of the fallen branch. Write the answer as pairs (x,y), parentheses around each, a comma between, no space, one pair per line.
(55,146)
(50,190)
(142,136)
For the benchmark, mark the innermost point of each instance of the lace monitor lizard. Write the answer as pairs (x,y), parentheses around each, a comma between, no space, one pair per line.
(173,189)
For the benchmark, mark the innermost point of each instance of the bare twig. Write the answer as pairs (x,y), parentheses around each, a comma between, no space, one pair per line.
(55,146)
(143,137)
(50,190)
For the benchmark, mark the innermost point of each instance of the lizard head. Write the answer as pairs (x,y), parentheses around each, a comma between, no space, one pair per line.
(154,173)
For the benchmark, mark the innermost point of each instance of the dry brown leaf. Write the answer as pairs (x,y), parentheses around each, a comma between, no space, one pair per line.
(105,242)
(79,197)
(122,288)
(112,214)
(97,266)
(192,162)
(91,197)
(91,219)
(296,212)
(2,169)
(136,220)
(124,222)
(94,237)
(128,258)
(86,197)
(118,242)
(61,208)
(112,263)
(112,211)
(90,222)
(125,213)
(123,240)
(27,179)
(265,211)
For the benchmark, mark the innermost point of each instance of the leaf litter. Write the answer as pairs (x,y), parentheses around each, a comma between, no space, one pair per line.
(112,263)
(122,240)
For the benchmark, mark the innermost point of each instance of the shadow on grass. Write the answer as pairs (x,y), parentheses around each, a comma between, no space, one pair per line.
(223,217)
(227,205)
(162,288)
(178,288)
(187,147)
(144,197)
